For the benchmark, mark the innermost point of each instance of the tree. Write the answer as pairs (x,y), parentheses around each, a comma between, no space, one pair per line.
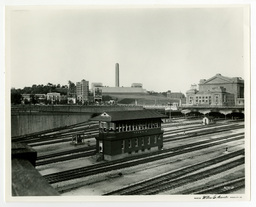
(33,99)
(106,98)
(15,97)
(164,94)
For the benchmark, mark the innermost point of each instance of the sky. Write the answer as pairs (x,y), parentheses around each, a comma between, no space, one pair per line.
(163,48)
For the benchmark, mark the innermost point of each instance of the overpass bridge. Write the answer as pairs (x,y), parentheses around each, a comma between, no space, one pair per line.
(208,109)
(185,109)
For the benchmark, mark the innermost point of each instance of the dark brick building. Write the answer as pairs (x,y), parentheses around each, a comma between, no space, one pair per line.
(123,133)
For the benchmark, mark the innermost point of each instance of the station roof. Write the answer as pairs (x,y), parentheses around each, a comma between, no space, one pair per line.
(128,115)
(218,78)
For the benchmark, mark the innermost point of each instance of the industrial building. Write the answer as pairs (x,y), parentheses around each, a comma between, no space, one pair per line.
(112,91)
(180,97)
(95,85)
(217,91)
(98,90)
(137,85)
(123,133)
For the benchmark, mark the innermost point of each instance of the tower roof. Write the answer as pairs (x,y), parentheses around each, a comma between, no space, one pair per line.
(128,115)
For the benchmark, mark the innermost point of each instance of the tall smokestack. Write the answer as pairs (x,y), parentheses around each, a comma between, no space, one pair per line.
(117,75)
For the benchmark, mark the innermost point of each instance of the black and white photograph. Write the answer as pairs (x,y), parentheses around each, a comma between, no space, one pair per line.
(124,102)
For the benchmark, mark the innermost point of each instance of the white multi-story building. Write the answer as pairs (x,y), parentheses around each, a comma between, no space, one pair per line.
(82,91)
(53,97)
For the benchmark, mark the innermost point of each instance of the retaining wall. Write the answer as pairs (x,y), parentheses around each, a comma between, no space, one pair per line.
(30,119)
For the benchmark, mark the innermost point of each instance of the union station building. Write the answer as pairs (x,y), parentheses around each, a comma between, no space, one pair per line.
(217,91)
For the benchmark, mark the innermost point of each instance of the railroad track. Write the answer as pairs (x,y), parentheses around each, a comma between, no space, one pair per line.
(64,134)
(151,183)
(132,161)
(171,184)
(67,157)
(220,188)
(60,135)
(223,188)
(57,154)
(49,131)
(89,151)
(201,133)
(203,127)
(59,140)
(173,123)
(54,140)
(55,132)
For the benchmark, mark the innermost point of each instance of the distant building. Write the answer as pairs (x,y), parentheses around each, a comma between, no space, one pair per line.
(71,100)
(64,98)
(96,89)
(26,98)
(95,85)
(217,91)
(123,91)
(40,98)
(135,89)
(71,90)
(97,94)
(178,96)
(53,97)
(208,120)
(137,85)
(82,91)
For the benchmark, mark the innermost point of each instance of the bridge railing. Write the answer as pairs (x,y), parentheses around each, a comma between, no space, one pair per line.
(184,106)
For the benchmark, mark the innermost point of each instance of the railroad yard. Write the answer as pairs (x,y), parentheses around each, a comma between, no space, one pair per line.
(195,159)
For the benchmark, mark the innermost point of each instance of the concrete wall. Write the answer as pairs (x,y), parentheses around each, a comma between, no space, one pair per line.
(30,119)
(26,123)
(72,108)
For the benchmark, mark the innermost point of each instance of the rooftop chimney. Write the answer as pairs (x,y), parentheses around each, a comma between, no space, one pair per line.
(117,75)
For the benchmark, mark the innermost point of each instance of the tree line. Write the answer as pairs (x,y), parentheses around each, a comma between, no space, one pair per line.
(16,94)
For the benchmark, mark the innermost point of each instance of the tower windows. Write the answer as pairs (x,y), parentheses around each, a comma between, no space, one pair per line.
(123,144)
(136,142)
